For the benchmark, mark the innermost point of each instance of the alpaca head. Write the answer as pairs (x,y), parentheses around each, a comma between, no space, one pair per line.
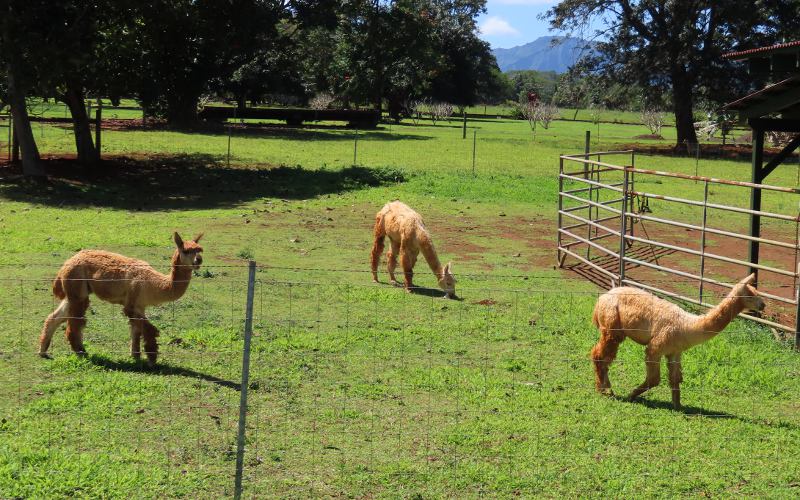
(188,253)
(447,281)
(748,295)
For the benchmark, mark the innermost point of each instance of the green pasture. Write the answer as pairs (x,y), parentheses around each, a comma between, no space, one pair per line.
(359,389)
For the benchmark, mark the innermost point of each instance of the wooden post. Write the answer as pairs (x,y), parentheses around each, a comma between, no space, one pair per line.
(755,196)
(464,128)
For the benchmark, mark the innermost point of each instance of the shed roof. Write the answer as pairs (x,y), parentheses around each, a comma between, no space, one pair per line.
(763,51)
(781,97)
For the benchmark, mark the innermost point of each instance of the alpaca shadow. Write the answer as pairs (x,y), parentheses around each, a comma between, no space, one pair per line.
(686,410)
(696,411)
(431,292)
(178,182)
(161,368)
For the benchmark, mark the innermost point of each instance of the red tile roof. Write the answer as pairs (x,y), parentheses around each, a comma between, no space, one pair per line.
(744,54)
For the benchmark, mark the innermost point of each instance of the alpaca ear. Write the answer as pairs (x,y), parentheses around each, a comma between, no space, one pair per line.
(448,269)
(177,238)
(750,279)
(197,238)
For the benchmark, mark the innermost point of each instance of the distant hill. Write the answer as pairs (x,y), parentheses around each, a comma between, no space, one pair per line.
(541,55)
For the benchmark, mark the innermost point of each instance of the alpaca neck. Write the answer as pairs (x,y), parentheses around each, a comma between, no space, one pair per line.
(178,281)
(715,320)
(426,247)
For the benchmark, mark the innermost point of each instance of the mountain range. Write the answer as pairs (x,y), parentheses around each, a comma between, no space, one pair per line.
(542,54)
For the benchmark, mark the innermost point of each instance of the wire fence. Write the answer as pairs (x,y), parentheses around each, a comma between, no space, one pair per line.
(474,146)
(353,388)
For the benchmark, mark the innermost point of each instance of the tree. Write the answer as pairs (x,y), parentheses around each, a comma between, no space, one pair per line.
(13,29)
(467,69)
(573,90)
(671,46)
(188,45)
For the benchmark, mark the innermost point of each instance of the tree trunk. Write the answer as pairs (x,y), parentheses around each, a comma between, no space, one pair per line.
(31,163)
(182,110)
(683,108)
(575,116)
(74,99)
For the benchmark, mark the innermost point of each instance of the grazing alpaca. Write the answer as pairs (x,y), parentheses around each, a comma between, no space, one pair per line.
(663,328)
(408,237)
(114,278)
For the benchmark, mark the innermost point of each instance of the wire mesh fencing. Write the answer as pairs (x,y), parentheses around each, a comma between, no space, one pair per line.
(358,388)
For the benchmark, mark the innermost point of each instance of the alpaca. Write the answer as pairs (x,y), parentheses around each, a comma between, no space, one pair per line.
(663,328)
(117,279)
(408,237)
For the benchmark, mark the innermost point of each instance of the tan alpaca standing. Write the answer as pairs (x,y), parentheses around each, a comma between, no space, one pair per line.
(408,237)
(663,328)
(117,279)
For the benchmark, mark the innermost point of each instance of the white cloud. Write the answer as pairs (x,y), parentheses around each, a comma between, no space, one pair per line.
(497,26)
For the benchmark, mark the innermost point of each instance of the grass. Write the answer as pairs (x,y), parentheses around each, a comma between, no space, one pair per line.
(360,389)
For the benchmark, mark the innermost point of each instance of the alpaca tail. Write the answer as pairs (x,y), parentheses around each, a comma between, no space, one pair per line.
(377,246)
(58,288)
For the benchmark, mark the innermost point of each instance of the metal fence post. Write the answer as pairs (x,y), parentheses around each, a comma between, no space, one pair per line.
(474,141)
(586,149)
(623,225)
(703,241)
(355,150)
(248,333)
(560,209)
(98,127)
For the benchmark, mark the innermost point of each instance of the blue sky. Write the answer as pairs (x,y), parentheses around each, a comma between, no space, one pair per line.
(514,22)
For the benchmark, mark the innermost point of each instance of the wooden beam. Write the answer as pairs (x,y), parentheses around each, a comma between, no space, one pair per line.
(773,103)
(755,197)
(780,157)
(774,124)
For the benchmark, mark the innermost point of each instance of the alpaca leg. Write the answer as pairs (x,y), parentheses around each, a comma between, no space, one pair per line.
(56,319)
(150,332)
(75,323)
(135,321)
(652,363)
(603,354)
(391,256)
(407,263)
(377,250)
(675,379)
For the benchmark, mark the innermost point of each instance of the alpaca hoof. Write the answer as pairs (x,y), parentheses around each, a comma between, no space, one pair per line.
(45,355)
(395,283)
(81,353)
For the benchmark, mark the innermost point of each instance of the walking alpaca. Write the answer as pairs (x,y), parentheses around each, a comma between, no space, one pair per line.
(408,237)
(663,328)
(117,279)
